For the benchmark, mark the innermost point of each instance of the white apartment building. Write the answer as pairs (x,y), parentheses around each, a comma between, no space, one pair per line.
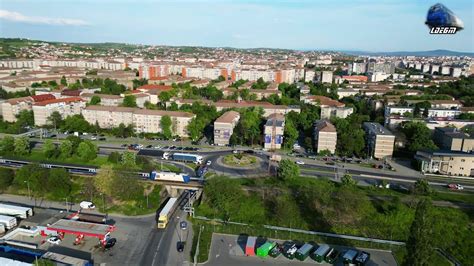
(325,136)
(105,99)
(143,120)
(325,76)
(65,106)
(224,127)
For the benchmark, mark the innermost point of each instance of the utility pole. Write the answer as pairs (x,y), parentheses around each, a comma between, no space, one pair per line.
(28,185)
(67,206)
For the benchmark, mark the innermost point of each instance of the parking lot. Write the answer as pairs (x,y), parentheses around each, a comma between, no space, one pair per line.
(228,250)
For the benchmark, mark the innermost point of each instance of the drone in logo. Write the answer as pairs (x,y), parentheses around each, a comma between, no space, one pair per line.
(441,20)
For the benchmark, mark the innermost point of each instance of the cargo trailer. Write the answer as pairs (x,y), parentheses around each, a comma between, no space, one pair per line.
(17,211)
(264,249)
(290,250)
(303,252)
(8,221)
(349,256)
(320,253)
(250,246)
(276,251)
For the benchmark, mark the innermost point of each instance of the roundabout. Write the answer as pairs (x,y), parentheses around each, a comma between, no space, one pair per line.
(239,160)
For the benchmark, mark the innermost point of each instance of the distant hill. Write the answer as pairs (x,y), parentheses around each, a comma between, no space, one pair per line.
(412,53)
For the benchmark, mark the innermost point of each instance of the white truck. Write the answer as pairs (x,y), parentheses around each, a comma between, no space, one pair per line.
(8,221)
(17,211)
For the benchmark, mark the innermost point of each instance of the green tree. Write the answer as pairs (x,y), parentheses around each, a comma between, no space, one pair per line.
(56,119)
(59,183)
(6,178)
(130,101)
(49,149)
(126,187)
(25,119)
(7,145)
(225,195)
(165,124)
(420,239)
(164,97)
(129,159)
(291,134)
(287,169)
(63,81)
(114,157)
(87,150)
(418,136)
(347,180)
(22,146)
(196,128)
(103,181)
(422,187)
(95,100)
(34,176)
(76,123)
(66,149)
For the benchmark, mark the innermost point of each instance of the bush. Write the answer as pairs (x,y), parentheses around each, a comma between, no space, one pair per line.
(6,178)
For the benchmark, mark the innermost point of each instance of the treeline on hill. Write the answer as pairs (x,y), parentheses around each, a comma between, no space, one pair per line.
(321,205)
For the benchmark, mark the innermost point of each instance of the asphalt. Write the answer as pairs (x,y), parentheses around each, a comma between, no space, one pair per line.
(228,250)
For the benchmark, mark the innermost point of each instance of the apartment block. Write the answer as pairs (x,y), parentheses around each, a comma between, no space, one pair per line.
(64,106)
(325,136)
(143,120)
(380,141)
(329,107)
(224,127)
(273,132)
(455,163)
(450,138)
(325,76)
(105,99)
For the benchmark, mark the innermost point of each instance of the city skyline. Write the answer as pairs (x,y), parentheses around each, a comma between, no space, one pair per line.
(232,24)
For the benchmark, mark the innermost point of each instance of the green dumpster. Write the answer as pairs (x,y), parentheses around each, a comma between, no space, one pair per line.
(263,250)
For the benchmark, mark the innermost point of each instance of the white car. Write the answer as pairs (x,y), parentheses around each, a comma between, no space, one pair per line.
(208,163)
(93,138)
(86,205)
(235,151)
(157,147)
(300,162)
(54,240)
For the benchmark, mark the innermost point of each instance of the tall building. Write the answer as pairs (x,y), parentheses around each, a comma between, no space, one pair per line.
(143,120)
(325,76)
(380,141)
(273,131)
(64,106)
(325,136)
(357,68)
(224,127)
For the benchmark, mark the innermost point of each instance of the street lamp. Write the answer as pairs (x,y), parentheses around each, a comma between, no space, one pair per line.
(28,185)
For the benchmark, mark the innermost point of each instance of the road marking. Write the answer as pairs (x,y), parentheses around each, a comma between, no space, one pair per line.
(156,252)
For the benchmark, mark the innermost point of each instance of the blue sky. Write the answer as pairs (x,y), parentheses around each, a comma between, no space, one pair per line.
(368,25)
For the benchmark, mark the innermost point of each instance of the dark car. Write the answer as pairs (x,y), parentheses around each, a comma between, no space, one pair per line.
(180,246)
(165,147)
(103,139)
(179,148)
(149,146)
(110,243)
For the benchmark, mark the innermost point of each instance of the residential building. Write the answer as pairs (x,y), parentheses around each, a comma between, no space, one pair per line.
(356,79)
(64,106)
(224,127)
(325,136)
(309,76)
(105,99)
(273,132)
(380,141)
(329,107)
(453,163)
(143,120)
(450,138)
(325,76)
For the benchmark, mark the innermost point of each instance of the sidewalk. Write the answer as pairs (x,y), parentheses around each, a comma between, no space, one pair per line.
(47,204)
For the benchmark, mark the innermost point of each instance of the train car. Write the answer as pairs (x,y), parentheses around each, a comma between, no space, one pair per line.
(169,176)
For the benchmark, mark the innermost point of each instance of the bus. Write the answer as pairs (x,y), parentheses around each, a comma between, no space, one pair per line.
(166,212)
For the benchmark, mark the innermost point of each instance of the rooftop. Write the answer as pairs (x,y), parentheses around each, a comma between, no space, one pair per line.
(377,129)
(228,117)
(62,100)
(324,126)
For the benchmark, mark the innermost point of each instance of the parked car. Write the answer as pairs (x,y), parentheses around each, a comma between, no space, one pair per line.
(54,240)
(180,246)
(300,162)
(86,205)
(157,147)
(110,243)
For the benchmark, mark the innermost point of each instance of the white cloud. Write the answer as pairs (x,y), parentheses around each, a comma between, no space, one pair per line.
(18,17)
